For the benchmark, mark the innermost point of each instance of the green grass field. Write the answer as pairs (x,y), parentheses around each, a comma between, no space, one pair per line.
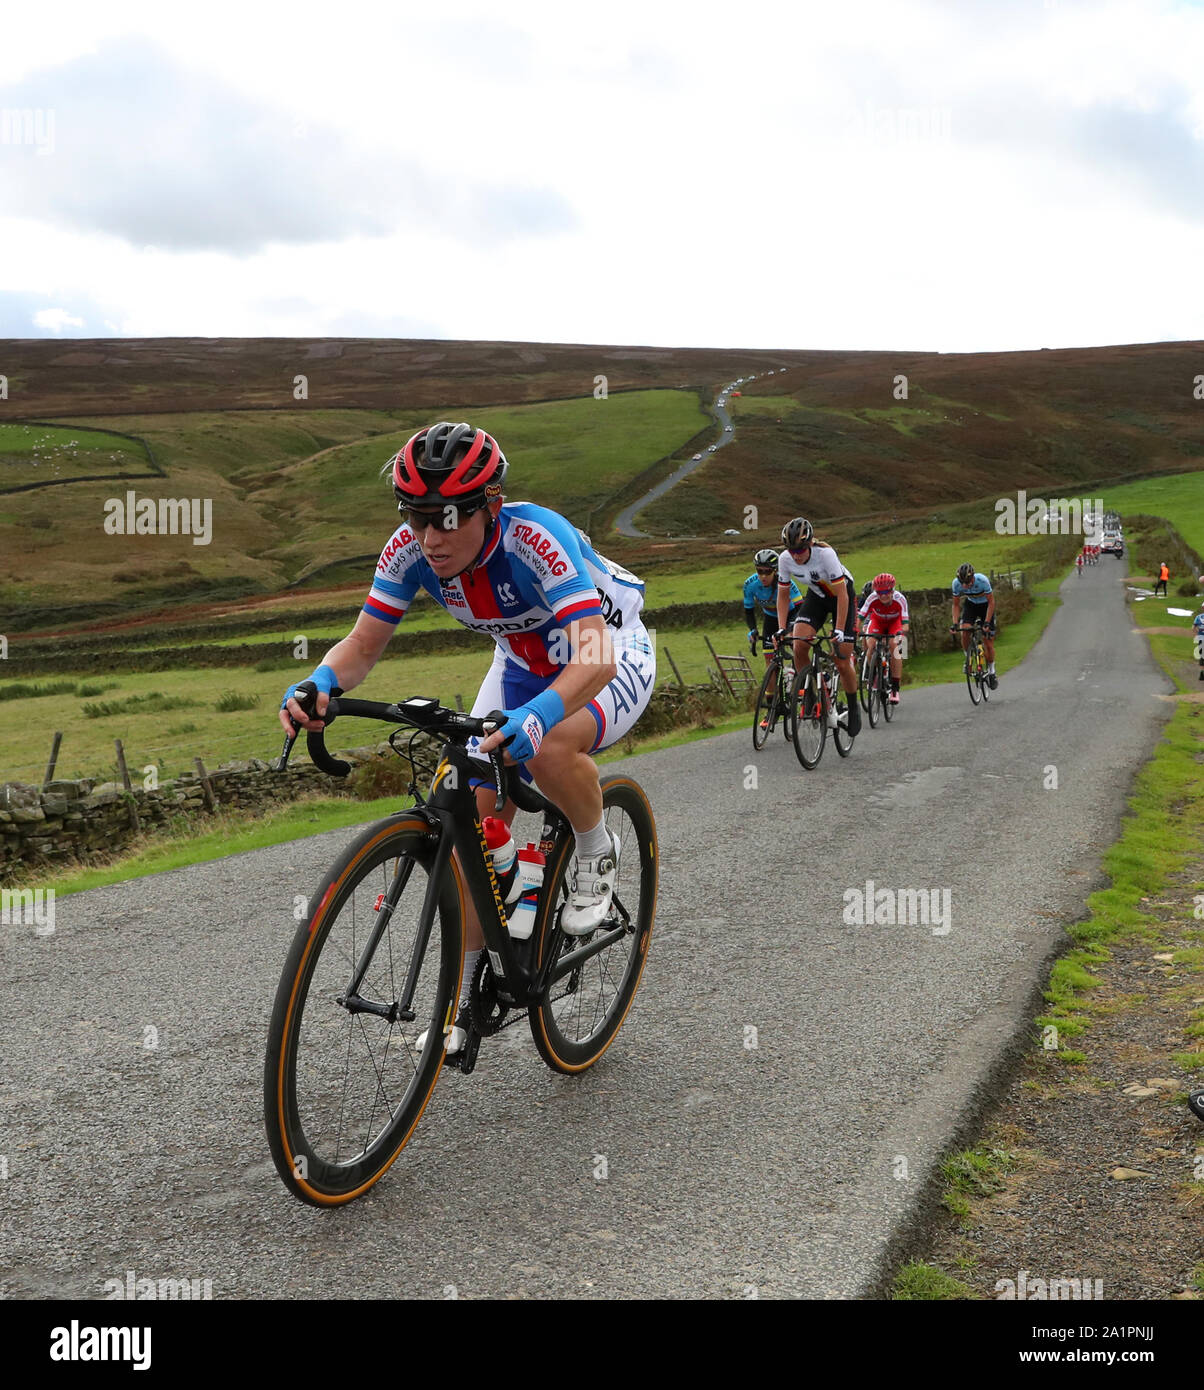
(44,453)
(291,491)
(170,740)
(1179,498)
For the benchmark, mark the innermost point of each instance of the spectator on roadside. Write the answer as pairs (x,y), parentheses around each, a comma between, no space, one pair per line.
(1163,575)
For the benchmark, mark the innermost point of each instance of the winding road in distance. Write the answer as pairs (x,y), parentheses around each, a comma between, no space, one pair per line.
(771,1111)
(625,521)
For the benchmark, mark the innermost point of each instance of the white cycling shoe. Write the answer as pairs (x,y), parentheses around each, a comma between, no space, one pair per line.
(455,1041)
(591,887)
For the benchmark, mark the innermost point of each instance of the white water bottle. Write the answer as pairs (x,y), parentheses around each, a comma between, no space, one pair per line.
(505,865)
(530,877)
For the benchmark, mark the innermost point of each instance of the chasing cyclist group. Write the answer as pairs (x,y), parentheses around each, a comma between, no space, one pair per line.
(804,585)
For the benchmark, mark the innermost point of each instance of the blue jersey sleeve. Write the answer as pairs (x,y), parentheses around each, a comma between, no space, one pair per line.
(550,550)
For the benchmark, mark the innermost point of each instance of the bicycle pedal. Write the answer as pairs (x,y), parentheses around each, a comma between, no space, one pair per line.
(466,1058)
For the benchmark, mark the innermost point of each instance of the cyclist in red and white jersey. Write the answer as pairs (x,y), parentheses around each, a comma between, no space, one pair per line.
(827,592)
(885,612)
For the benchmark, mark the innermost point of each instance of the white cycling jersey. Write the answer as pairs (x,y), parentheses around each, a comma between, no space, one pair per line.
(822,573)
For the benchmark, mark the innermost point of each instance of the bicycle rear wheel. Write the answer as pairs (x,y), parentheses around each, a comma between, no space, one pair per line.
(766,708)
(344,1086)
(809,727)
(864,676)
(984,681)
(584,1010)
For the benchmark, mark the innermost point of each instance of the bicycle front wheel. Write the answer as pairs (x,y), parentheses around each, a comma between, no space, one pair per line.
(766,712)
(809,725)
(840,734)
(972,676)
(873,705)
(884,693)
(577,1021)
(345,1082)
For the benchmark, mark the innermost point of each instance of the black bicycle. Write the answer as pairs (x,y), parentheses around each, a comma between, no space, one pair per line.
(773,699)
(377,963)
(818,703)
(877,680)
(978,680)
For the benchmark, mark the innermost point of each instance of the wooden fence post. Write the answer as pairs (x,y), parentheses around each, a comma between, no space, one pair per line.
(54,757)
(125,781)
(722,673)
(673,663)
(206,785)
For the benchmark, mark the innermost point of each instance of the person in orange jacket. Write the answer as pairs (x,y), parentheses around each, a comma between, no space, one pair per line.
(1163,575)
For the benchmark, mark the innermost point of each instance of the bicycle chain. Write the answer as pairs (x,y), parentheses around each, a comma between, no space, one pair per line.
(488,1014)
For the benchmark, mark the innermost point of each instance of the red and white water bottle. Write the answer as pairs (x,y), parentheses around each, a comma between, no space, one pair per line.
(505,861)
(530,872)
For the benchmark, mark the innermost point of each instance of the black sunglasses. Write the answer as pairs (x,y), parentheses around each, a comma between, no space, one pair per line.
(449,518)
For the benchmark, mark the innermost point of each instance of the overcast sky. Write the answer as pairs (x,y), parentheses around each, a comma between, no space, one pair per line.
(958,175)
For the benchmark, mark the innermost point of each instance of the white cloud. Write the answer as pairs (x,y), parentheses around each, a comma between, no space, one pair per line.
(884,173)
(54,321)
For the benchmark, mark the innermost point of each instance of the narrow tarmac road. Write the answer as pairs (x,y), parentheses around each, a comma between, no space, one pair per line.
(764,1122)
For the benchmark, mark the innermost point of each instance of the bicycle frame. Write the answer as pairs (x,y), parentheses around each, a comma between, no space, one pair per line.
(451,813)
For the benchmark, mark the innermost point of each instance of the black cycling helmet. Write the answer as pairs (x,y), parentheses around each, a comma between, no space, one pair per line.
(797,534)
(447,463)
(965,574)
(766,559)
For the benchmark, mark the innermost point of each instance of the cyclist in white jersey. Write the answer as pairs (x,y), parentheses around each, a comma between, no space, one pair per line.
(573,665)
(827,591)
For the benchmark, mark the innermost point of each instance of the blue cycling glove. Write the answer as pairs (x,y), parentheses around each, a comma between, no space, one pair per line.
(324,678)
(526,726)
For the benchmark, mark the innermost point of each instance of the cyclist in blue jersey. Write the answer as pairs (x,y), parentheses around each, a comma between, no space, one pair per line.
(573,665)
(761,592)
(974,598)
(1197,628)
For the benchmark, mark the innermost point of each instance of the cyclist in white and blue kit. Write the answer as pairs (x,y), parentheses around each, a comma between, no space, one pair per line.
(573,665)
(761,592)
(973,598)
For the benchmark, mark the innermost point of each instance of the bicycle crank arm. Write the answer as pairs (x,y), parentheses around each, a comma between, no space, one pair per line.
(466,1058)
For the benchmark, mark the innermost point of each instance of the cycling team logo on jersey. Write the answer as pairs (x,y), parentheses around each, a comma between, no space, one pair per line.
(506,595)
(400,542)
(531,539)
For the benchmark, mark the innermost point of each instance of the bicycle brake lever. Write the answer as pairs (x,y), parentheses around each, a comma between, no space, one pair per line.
(497,719)
(282,761)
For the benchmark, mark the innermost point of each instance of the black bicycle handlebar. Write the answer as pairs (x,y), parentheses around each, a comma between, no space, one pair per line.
(418,712)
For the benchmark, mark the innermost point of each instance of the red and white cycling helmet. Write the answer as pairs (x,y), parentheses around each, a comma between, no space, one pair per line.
(448,463)
(884,583)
